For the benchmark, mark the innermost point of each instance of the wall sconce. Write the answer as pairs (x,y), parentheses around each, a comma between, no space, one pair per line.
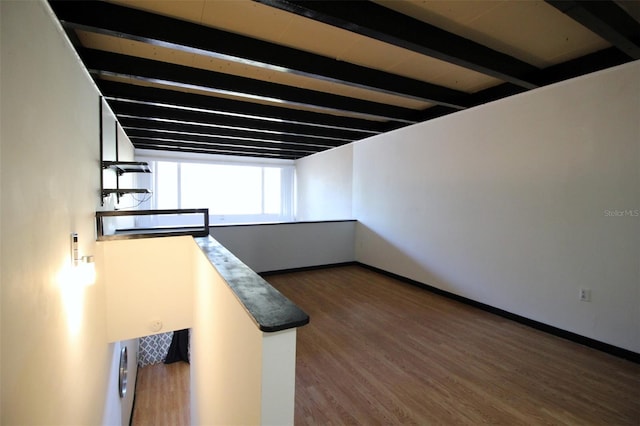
(84,268)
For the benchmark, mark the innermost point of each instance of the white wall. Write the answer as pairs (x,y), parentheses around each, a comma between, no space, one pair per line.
(124,152)
(56,362)
(323,185)
(276,247)
(118,410)
(278,377)
(511,204)
(239,375)
(149,286)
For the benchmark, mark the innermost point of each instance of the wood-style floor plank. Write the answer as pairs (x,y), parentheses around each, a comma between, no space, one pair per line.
(162,395)
(379,351)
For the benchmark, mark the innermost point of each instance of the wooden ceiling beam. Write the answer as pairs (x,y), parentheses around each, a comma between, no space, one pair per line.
(606,19)
(378,22)
(222,148)
(215,151)
(132,24)
(151,95)
(111,64)
(132,109)
(181,128)
(182,138)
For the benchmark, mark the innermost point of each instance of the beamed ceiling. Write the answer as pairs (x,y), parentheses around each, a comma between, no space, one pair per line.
(286,79)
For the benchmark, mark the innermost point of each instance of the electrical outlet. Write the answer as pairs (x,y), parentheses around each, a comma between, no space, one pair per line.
(585,295)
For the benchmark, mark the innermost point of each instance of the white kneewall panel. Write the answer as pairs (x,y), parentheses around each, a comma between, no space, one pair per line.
(276,247)
(514,203)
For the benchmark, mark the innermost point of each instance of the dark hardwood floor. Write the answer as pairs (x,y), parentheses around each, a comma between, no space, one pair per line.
(378,351)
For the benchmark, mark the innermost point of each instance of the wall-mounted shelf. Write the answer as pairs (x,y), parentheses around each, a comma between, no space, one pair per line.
(122,167)
(123,191)
(119,167)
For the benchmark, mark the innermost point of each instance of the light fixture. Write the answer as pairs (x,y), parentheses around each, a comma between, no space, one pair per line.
(84,268)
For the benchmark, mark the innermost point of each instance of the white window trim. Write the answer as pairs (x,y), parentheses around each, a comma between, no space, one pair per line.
(288,184)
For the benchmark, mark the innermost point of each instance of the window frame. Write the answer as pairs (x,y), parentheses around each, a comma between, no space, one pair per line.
(287,197)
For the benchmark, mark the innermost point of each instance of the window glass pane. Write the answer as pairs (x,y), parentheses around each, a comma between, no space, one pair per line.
(233,192)
(166,190)
(272,190)
(224,189)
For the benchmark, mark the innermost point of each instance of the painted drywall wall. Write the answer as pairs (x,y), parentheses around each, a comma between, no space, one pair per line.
(217,352)
(278,377)
(118,410)
(149,286)
(517,204)
(239,375)
(323,185)
(56,362)
(126,180)
(276,247)
(116,146)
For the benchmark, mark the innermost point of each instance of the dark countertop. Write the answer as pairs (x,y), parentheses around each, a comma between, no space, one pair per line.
(270,309)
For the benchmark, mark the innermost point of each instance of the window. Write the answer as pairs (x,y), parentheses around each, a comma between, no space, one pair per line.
(233,192)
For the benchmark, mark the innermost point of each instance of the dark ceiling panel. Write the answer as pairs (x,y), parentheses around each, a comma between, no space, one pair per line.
(297,122)
(224,131)
(130,109)
(215,151)
(220,141)
(114,64)
(375,21)
(592,62)
(123,91)
(212,148)
(574,68)
(123,22)
(606,19)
